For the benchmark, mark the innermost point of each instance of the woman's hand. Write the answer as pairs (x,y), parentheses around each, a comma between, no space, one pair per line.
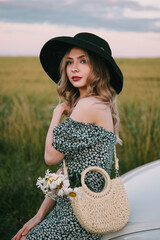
(59,171)
(62,108)
(51,155)
(26,228)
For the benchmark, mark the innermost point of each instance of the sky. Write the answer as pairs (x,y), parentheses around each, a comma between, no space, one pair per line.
(131,27)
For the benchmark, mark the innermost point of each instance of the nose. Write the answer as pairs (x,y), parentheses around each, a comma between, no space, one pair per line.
(75,67)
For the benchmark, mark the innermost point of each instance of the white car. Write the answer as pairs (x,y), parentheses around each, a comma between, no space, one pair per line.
(143,189)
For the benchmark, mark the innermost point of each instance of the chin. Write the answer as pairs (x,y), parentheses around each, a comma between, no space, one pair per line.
(79,84)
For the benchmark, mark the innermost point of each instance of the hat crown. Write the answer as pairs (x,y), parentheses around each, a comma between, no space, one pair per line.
(94,40)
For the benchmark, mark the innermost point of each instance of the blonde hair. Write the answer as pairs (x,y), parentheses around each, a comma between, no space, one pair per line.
(98,86)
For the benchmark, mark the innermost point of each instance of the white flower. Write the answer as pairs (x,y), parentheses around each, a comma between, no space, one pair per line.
(65,183)
(53,181)
(61,192)
(42,184)
(63,187)
(74,193)
(39,182)
(58,179)
(67,190)
(53,185)
(47,172)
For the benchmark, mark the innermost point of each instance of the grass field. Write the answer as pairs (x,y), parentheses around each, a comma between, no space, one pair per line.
(27,100)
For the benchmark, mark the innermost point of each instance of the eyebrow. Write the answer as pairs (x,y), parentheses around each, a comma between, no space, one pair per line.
(78,57)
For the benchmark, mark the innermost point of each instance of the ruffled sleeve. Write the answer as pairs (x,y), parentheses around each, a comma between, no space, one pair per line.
(74,136)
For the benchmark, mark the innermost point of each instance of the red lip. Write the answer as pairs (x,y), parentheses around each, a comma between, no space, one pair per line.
(76,78)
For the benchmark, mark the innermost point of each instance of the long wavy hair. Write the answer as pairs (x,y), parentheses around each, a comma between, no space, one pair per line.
(98,86)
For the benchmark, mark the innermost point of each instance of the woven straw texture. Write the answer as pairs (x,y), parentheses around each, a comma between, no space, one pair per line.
(103,212)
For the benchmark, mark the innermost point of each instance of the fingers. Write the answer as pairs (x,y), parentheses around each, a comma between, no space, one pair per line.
(17,236)
(22,232)
(60,170)
(26,231)
(23,237)
(14,238)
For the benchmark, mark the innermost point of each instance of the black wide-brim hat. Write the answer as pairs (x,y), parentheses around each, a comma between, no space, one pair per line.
(53,51)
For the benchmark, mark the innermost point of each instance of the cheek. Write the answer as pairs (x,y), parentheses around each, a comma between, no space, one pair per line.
(67,71)
(88,71)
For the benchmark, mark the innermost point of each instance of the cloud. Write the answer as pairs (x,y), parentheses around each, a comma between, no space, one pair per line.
(124,15)
(26,25)
(19,39)
(149,14)
(155,3)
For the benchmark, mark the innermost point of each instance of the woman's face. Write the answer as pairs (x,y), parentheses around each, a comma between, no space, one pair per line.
(78,69)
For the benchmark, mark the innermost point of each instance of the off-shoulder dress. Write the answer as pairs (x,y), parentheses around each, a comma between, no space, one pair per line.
(84,145)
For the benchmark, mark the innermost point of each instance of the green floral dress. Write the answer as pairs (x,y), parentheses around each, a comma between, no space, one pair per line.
(84,145)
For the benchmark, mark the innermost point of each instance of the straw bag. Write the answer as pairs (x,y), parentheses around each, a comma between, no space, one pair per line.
(103,212)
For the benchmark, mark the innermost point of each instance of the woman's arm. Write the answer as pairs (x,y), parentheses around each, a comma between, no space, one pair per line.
(46,206)
(52,156)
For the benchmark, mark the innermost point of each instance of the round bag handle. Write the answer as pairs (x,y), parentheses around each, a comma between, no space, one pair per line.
(107,185)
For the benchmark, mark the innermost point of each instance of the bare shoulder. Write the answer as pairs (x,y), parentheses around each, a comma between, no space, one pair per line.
(90,110)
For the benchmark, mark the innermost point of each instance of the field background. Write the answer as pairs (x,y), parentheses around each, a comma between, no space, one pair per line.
(27,100)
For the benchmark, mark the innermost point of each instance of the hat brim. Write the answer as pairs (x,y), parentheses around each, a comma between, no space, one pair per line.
(54,50)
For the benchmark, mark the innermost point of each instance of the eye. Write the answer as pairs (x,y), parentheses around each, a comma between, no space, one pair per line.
(83,61)
(68,63)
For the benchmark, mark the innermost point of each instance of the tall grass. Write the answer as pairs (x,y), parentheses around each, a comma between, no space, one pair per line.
(27,100)
(139,106)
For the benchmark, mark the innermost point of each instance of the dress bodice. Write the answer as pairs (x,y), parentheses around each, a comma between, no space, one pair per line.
(84,144)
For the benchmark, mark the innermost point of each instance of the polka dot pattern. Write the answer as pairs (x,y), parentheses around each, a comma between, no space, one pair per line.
(84,145)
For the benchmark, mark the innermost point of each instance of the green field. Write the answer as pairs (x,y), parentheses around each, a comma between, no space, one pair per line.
(27,100)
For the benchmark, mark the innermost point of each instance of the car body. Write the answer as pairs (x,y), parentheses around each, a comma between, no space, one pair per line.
(143,189)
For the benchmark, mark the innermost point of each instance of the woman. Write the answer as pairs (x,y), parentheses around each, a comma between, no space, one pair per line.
(89,81)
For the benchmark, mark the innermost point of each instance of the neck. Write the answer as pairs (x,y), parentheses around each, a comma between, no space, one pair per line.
(82,91)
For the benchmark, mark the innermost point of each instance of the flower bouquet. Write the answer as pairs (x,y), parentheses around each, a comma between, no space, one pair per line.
(53,185)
